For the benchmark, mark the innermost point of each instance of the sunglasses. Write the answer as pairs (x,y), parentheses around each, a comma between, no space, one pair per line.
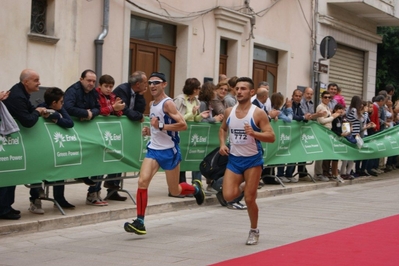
(326,97)
(154,82)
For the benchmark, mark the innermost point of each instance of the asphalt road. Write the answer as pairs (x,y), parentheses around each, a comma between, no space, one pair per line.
(209,234)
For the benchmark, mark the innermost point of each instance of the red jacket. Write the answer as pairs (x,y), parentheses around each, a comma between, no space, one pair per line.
(375,118)
(106,103)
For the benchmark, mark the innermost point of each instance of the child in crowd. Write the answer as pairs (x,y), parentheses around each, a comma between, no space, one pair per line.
(361,167)
(54,100)
(109,105)
(354,115)
(339,98)
(337,129)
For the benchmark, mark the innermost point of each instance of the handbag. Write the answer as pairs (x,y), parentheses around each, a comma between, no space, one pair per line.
(359,142)
(7,124)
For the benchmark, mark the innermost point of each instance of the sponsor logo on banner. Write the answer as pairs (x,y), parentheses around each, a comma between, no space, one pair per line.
(67,148)
(112,135)
(197,147)
(367,147)
(391,140)
(12,153)
(337,145)
(144,141)
(309,141)
(284,141)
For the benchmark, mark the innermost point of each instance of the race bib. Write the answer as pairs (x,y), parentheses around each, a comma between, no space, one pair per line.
(238,136)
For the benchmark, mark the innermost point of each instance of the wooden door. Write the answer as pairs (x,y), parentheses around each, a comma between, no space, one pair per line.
(222,65)
(263,71)
(152,57)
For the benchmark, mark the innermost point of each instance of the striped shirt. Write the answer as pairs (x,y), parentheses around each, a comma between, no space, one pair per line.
(355,121)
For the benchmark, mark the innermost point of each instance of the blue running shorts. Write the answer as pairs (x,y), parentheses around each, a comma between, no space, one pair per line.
(167,159)
(239,164)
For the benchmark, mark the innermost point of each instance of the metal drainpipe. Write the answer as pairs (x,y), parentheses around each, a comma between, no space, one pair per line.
(315,76)
(100,39)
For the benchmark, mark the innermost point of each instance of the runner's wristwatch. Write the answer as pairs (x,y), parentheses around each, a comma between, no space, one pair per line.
(160,126)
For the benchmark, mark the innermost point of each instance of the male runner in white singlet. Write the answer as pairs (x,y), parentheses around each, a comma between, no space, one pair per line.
(162,151)
(247,125)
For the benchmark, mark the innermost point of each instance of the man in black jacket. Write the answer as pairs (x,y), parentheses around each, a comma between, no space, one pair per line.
(131,93)
(260,101)
(81,101)
(21,108)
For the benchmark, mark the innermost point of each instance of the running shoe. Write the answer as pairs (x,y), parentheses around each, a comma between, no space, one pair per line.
(253,237)
(200,195)
(136,227)
(236,206)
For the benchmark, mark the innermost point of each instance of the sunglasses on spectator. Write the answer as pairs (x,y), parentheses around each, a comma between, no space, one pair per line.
(154,82)
(327,97)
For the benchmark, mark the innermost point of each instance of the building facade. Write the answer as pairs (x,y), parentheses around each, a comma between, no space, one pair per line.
(273,40)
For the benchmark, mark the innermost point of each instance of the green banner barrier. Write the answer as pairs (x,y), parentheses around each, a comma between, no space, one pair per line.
(111,145)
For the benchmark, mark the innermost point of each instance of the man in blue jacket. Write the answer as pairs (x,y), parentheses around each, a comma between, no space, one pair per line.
(81,101)
(300,116)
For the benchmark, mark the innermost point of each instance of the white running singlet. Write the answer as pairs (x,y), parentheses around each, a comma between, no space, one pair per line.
(240,143)
(162,140)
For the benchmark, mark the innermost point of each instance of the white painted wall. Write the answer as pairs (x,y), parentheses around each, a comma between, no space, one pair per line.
(284,27)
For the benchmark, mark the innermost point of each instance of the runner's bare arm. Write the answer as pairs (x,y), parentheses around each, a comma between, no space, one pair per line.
(170,109)
(262,121)
(224,150)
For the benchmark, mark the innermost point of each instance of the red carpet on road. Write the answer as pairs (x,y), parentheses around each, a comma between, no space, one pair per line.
(373,243)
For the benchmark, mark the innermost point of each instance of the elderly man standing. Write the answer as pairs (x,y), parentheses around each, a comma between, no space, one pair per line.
(131,93)
(307,106)
(264,85)
(20,107)
(300,116)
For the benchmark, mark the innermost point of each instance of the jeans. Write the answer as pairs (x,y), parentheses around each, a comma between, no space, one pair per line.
(7,196)
(289,171)
(280,171)
(34,194)
(97,187)
(196,175)
(182,177)
(361,166)
(391,160)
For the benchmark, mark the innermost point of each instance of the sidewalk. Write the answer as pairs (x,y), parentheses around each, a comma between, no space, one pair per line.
(158,202)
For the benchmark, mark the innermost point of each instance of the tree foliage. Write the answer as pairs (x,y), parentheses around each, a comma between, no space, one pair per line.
(388,59)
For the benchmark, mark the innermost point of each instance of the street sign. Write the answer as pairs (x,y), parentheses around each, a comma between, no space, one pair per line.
(328,47)
(320,68)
